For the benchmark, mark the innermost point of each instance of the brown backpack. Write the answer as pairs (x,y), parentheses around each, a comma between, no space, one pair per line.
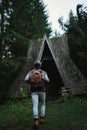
(37,78)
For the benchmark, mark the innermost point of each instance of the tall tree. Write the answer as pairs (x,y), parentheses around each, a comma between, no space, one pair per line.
(29,21)
(30,18)
(76,29)
(5,12)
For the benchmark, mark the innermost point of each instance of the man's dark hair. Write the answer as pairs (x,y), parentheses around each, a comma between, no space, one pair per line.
(37,64)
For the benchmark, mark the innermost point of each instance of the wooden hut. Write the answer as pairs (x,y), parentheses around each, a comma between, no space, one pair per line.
(55,58)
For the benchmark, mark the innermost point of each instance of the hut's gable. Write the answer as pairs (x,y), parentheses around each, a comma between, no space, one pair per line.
(55,58)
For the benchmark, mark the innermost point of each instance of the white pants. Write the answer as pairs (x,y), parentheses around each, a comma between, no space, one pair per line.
(36,97)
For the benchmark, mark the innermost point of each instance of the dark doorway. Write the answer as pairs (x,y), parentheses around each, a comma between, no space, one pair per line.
(54,86)
(48,64)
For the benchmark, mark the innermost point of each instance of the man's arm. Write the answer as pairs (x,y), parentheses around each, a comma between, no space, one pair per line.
(46,78)
(27,77)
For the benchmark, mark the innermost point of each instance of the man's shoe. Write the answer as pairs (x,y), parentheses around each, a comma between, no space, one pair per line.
(36,124)
(42,120)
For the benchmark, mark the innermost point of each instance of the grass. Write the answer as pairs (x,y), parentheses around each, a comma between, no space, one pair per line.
(59,115)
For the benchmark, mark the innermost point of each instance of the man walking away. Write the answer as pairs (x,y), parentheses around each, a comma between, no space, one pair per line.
(37,79)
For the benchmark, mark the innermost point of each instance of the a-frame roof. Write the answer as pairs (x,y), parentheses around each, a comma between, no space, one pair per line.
(45,44)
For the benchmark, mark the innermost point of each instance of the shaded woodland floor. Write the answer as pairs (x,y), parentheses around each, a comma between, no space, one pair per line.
(68,115)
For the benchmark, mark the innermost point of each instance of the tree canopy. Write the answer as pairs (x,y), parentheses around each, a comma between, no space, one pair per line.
(30,18)
(76,30)
(21,21)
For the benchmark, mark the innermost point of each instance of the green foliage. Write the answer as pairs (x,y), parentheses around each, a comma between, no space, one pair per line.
(77,39)
(16,115)
(62,116)
(30,19)
(18,97)
(19,49)
(27,20)
(8,71)
(76,29)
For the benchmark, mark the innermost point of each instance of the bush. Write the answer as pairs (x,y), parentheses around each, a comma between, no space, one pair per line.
(9,69)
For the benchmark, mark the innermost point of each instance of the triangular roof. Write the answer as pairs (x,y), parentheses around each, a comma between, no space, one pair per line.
(45,43)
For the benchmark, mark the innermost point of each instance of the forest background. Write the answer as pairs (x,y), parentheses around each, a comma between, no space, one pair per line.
(23,21)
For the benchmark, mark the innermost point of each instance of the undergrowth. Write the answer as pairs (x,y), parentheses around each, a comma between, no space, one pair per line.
(59,115)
